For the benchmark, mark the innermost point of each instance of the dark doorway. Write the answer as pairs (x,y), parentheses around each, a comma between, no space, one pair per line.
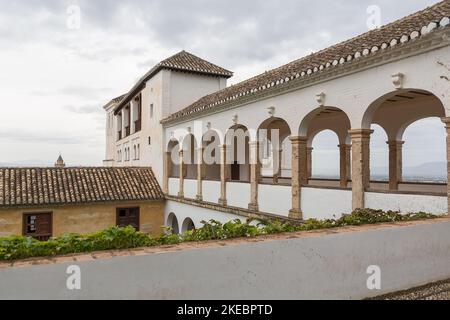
(128,217)
(235,171)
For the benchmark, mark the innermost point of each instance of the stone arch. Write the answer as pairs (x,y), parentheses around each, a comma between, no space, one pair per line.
(237,141)
(188,225)
(172,222)
(272,135)
(394,112)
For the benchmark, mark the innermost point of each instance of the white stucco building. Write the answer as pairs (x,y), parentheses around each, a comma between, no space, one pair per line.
(391,76)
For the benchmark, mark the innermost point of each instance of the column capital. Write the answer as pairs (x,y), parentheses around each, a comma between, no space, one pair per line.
(395,143)
(360,133)
(298,139)
(446,121)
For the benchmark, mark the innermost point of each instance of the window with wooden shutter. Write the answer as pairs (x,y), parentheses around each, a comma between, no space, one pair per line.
(38,225)
(128,217)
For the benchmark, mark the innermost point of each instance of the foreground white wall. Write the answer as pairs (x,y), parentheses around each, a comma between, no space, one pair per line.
(316,266)
(406,203)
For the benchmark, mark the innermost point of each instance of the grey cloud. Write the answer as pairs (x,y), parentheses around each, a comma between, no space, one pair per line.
(85,109)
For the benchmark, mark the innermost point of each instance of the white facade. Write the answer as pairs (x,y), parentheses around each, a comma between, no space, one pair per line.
(392,86)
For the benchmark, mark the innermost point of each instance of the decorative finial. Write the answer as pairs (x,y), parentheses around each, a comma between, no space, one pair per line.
(320,98)
(397,80)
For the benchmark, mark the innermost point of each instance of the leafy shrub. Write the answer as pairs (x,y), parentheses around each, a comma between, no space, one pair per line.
(16,247)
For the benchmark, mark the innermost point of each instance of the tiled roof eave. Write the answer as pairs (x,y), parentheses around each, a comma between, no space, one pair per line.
(428,41)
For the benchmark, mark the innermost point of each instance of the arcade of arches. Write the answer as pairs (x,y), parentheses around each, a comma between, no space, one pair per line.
(278,155)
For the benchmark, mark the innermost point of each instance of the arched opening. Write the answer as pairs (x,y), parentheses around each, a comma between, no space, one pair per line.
(395,112)
(424,155)
(328,153)
(379,157)
(275,159)
(211,155)
(188,225)
(238,153)
(190,156)
(172,222)
(173,149)
(325,156)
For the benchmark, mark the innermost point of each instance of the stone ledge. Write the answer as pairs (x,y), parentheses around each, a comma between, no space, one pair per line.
(232,210)
(75,258)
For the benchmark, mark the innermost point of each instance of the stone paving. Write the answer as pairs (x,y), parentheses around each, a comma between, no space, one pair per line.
(434,291)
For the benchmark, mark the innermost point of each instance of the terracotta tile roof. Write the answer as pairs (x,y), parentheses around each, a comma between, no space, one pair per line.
(182,61)
(185,61)
(21,187)
(396,33)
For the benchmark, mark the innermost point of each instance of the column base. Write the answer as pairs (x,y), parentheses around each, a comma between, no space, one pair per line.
(295,214)
(223,202)
(199,197)
(253,207)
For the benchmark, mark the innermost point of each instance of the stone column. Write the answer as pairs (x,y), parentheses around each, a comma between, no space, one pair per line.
(167,171)
(298,145)
(360,165)
(349,162)
(254,175)
(182,174)
(309,151)
(223,175)
(200,174)
(447,127)
(395,163)
(344,164)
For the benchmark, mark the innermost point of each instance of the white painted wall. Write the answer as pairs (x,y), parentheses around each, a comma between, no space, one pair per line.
(325,203)
(275,199)
(197,214)
(190,189)
(406,203)
(174,186)
(317,266)
(211,191)
(238,194)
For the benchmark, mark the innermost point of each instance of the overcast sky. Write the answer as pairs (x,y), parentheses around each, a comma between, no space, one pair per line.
(54,79)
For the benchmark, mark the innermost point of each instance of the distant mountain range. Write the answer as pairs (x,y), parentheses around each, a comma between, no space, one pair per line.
(26,163)
(430,171)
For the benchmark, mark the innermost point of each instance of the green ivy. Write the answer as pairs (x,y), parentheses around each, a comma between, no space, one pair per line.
(17,247)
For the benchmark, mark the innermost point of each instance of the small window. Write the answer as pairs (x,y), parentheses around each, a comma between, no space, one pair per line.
(128,217)
(149,141)
(151,110)
(138,152)
(38,225)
